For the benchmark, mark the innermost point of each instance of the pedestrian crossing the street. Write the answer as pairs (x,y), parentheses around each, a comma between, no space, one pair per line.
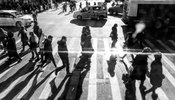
(21,83)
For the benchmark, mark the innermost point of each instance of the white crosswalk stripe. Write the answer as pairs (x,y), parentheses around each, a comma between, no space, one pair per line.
(92,89)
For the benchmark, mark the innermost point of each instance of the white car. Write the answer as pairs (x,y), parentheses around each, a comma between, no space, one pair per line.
(14,18)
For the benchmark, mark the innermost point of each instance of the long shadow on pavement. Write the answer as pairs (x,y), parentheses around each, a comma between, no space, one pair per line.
(18,88)
(35,86)
(56,90)
(7,64)
(22,71)
(92,23)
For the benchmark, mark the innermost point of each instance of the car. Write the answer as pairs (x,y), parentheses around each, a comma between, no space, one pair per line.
(91,12)
(117,9)
(14,18)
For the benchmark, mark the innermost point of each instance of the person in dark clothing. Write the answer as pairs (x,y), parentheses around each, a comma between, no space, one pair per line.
(140,68)
(3,38)
(114,35)
(63,53)
(36,28)
(11,47)
(33,45)
(34,15)
(48,52)
(156,75)
(24,38)
(80,6)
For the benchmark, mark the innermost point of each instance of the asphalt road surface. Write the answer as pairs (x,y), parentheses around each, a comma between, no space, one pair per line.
(22,81)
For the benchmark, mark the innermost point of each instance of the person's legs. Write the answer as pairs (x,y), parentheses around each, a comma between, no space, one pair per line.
(52,59)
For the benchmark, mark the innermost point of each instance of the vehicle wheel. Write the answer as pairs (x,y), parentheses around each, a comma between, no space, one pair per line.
(79,17)
(18,24)
(101,17)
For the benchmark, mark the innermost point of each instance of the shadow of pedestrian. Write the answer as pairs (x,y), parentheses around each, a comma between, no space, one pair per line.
(35,86)
(111,65)
(54,89)
(21,72)
(7,64)
(18,88)
(156,76)
(92,23)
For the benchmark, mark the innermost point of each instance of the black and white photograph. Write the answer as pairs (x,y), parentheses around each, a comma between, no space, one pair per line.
(87,49)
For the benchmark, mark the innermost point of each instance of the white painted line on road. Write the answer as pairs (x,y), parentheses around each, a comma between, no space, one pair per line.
(47,89)
(2,74)
(12,85)
(107,48)
(165,46)
(92,89)
(116,93)
(26,88)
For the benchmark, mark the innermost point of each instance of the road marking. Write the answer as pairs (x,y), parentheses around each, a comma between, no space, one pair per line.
(47,89)
(116,93)
(4,93)
(165,46)
(92,89)
(26,88)
(107,48)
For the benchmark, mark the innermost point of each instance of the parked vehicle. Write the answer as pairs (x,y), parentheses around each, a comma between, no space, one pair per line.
(14,18)
(117,9)
(92,12)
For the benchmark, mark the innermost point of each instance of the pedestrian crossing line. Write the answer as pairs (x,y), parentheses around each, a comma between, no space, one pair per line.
(12,85)
(162,44)
(116,93)
(2,74)
(47,89)
(172,42)
(152,45)
(92,93)
(107,48)
(26,88)
(164,58)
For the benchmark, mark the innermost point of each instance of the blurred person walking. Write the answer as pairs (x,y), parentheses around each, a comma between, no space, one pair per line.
(33,45)
(63,53)
(24,38)
(114,35)
(3,38)
(48,52)
(11,47)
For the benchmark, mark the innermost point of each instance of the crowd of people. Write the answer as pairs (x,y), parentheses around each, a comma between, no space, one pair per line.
(25,8)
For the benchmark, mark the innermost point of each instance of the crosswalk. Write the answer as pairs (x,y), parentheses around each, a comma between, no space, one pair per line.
(97,85)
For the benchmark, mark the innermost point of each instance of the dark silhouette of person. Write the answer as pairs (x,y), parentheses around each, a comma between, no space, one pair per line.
(63,53)
(156,75)
(36,28)
(24,38)
(3,38)
(48,52)
(33,45)
(111,65)
(11,47)
(114,35)
(140,68)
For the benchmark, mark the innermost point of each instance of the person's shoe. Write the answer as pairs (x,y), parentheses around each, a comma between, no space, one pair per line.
(19,60)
